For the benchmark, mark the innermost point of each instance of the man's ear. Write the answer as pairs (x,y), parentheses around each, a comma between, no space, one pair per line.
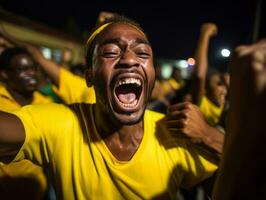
(89,77)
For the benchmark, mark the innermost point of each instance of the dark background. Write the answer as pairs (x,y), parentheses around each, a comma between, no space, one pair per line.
(172,26)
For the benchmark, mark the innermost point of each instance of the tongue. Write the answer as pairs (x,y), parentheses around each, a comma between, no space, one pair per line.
(127,98)
(125,95)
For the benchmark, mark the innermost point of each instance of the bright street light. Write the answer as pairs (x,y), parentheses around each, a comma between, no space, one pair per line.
(225,52)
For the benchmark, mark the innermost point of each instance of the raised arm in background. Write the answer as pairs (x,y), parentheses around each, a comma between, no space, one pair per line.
(50,67)
(207,31)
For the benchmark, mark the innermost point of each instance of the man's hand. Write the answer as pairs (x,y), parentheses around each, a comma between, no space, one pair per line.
(244,161)
(5,43)
(10,38)
(186,120)
(35,52)
(209,29)
(103,16)
(248,87)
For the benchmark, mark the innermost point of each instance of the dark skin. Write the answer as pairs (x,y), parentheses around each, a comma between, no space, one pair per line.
(48,66)
(215,90)
(12,136)
(121,142)
(21,78)
(131,56)
(185,120)
(245,142)
(121,50)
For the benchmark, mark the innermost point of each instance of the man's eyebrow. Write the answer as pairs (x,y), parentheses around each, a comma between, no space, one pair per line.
(118,41)
(142,41)
(111,41)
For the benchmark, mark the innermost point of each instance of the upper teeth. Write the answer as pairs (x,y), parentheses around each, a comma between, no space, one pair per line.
(129,81)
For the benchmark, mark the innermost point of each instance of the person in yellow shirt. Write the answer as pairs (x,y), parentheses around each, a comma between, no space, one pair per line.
(114,148)
(18,88)
(176,80)
(19,80)
(15,92)
(69,87)
(208,90)
(8,102)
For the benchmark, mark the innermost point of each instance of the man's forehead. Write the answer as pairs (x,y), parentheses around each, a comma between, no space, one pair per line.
(24,60)
(120,31)
(21,59)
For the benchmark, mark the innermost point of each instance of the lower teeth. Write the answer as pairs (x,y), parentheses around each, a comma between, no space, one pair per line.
(134,103)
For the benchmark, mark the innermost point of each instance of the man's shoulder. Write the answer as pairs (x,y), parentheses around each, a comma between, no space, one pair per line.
(52,115)
(49,110)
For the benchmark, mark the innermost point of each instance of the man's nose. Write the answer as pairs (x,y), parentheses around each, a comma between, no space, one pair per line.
(30,71)
(129,59)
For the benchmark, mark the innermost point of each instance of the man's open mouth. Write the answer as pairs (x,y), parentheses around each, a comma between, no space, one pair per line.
(30,80)
(127,92)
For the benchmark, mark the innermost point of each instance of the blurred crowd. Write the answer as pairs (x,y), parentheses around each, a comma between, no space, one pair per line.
(193,105)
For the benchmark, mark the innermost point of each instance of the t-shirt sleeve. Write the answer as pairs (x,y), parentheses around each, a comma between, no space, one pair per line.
(200,165)
(73,89)
(210,111)
(44,125)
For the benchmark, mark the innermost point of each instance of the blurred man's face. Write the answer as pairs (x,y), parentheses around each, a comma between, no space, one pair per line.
(21,74)
(216,91)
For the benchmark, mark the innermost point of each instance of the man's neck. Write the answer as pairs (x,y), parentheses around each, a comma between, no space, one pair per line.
(21,99)
(122,140)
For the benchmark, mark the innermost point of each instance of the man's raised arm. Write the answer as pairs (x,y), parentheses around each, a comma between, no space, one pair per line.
(242,171)
(207,31)
(50,67)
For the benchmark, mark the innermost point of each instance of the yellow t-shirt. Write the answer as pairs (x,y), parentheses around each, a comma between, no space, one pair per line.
(25,168)
(12,174)
(73,89)
(210,111)
(174,84)
(83,167)
(8,103)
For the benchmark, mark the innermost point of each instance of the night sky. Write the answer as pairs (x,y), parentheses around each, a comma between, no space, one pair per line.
(172,26)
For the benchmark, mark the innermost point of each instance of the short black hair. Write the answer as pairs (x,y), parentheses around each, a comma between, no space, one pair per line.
(114,20)
(8,54)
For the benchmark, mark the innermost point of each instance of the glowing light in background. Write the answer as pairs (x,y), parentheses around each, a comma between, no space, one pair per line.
(167,71)
(225,52)
(47,53)
(191,61)
(182,64)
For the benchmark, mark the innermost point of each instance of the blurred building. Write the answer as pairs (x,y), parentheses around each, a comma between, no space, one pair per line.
(51,41)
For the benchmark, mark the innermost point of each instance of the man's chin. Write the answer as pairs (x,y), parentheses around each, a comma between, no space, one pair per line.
(129,118)
(29,90)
